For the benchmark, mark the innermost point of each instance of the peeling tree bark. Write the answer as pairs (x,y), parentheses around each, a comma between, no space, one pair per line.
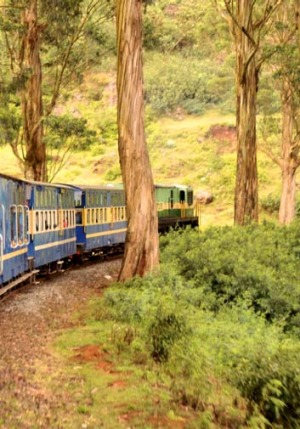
(246,190)
(142,244)
(289,159)
(31,97)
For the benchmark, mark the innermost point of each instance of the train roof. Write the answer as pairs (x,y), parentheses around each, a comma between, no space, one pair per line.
(173,185)
(8,177)
(102,187)
(52,185)
(35,183)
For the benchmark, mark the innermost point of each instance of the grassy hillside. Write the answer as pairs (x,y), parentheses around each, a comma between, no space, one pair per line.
(195,150)
(188,149)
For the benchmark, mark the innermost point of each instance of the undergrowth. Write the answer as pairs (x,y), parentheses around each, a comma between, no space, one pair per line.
(222,321)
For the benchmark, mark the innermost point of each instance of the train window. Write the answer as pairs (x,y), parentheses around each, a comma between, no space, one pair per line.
(37,223)
(26,224)
(79,217)
(182,196)
(46,221)
(65,219)
(37,198)
(42,221)
(77,197)
(105,215)
(50,220)
(2,222)
(172,198)
(190,197)
(20,218)
(88,216)
(13,226)
(93,216)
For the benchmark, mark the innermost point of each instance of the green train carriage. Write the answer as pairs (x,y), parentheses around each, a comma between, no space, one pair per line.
(175,206)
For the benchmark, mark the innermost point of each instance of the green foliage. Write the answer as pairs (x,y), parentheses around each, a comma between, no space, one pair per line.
(166,327)
(194,85)
(184,26)
(270,203)
(66,130)
(107,126)
(10,122)
(222,319)
(113,174)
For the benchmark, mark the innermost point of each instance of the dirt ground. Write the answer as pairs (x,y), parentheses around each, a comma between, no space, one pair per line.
(29,320)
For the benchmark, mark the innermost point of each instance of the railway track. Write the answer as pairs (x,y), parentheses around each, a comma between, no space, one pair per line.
(34,277)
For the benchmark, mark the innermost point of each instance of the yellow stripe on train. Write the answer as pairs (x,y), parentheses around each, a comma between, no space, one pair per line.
(55,243)
(103,233)
(11,255)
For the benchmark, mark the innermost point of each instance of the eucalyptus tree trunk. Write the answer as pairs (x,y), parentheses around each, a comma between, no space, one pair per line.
(31,97)
(142,244)
(246,190)
(289,158)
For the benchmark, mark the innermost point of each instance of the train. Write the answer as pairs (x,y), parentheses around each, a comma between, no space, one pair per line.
(43,226)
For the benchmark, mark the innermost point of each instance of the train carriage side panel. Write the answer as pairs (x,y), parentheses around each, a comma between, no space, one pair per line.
(13,229)
(100,218)
(53,236)
(175,206)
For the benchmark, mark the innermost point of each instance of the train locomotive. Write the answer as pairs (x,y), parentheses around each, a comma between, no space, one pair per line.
(44,225)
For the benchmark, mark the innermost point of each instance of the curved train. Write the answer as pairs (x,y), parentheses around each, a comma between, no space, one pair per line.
(43,225)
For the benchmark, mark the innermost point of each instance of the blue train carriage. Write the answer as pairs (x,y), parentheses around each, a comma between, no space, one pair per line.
(100,219)
(14,234)
(175,206)
(52,225)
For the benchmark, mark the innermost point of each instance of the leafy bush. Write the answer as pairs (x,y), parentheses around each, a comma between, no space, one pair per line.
(259,265)
(222,320)
(270,204)
(189,83)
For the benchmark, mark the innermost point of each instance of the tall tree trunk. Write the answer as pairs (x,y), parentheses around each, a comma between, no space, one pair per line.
(289,162)
(142,244)
(246,191)
(31,98)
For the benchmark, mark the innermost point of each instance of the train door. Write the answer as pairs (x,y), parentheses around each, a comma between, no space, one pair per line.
(2,236)
(182,203)
(171,199)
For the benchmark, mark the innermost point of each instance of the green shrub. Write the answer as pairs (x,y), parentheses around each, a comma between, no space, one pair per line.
(271,203)
(222,319)
(189,83)
(166,327)
(259,265)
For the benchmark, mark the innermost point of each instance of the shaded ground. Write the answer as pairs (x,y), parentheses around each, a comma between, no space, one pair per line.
(29,321)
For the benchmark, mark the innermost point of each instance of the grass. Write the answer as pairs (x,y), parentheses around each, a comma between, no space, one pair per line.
(104,390)
(181,151)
